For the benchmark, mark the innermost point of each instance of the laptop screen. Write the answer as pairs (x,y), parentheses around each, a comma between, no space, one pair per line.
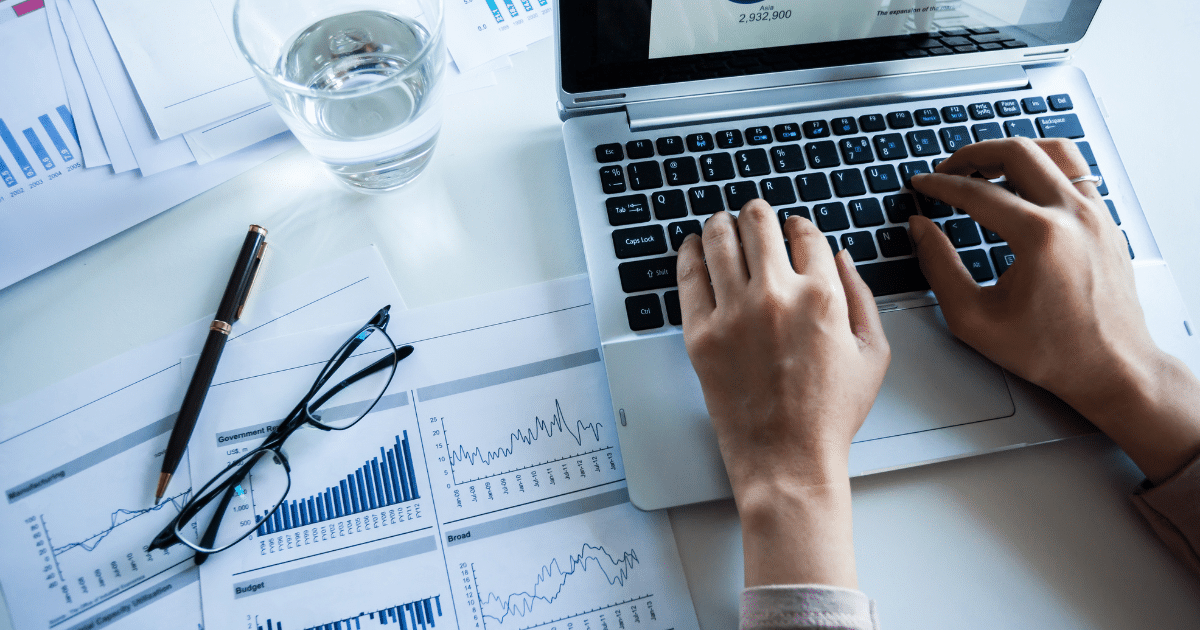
(615,44)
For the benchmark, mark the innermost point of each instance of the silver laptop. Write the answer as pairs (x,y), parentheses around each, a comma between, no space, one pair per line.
(675,109)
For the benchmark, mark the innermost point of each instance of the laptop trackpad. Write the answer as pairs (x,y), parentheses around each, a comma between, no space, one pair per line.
(934,380)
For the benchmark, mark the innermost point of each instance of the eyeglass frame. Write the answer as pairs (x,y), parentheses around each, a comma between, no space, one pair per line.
(303,413)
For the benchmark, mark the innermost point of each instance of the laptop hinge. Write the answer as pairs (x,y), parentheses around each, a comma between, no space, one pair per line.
(820,96)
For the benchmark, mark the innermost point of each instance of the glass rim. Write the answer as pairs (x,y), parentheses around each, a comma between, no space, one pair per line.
(413,67)
(314,418)
(182,522)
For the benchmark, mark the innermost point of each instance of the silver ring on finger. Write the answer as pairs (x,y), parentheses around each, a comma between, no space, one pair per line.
(1095,179)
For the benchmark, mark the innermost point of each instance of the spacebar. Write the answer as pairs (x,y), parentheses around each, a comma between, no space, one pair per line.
(893,276)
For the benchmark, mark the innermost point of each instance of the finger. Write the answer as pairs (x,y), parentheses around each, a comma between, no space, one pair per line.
(726,264)
(762,240)
(1021,161)
(954,287)
(1066,155)
(695,293)
(864,315)
(989,204)
(810,250)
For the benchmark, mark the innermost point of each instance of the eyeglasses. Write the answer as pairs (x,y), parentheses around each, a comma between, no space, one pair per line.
(233,504)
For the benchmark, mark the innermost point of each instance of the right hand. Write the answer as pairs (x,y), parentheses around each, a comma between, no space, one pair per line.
(1065,315)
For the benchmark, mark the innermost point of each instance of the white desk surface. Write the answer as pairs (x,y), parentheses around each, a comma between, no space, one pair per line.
(1040,537)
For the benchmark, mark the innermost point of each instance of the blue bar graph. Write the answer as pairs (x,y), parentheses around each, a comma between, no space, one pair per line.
(16,151)
(389,479)
(543,2)
(528,6)
(52,131)
(417,615)
(512,8)
(69,120)
(495,10)
(6,174)
(38,149)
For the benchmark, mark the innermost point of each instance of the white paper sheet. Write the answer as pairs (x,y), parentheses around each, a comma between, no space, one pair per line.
(153,155)
(116,145)
(486,487)
(234,134)
(88,133)
(479,31)
(181,57)
(80,460)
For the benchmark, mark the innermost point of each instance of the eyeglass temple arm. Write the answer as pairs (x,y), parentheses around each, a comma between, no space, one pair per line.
(401,354)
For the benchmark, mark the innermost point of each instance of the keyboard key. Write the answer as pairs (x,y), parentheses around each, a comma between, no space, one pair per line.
(639,149)
(644,312)
(866,212)
(801,211)
(1061,126)
(1020,128)
(934,208)
(609,153)
(856,150)
(899,120)
(752,163)
(893,276)
(700,142)
(908,170)
(962,233)
(669,204)
(1008,108)
(883,179)
(787,132)
(956,41)
(991,38)
(1002,258)
(983,30)
(923,142)
(987,131)
(899,207)
(871,123)
(816,129)
(1034,105)
(833,244)
(844,126)
(639,241)
(681,171)
(674,315)
(612,180)
(991,46)
(647,275)
(981,111)
(1128,244)
(955,138)
(778,191)
(848,183)
(728,139)
(671,145)
(705,200)
(822,154)
(954,113)
(739,194)
(716,167)
(679,231)
(1086,149)
(890,147)
(1112,209)
(1102,188)
(990,236)
(627,210)
(645,175)
(1061,102)
(831,217)
(975,260)
(893,242)
(758,135)
(787,158)
(860,245)
(927,117)
(813,187)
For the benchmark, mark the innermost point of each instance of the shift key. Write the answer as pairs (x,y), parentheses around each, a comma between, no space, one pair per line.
(647,275)
(1060,126)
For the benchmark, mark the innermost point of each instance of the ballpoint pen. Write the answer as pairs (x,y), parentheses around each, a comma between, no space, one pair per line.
(228,312)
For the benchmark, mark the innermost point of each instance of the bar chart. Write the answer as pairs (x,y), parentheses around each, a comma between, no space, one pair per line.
(416,615)
(382,481)
(512,8)
(40,153)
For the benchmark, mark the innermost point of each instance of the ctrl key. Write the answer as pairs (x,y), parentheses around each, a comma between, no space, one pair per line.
(644,311)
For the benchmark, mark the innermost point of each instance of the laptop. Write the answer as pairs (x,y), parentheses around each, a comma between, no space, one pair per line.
(676,109)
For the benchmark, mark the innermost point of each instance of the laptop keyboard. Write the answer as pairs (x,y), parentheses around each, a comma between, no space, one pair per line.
(849,175)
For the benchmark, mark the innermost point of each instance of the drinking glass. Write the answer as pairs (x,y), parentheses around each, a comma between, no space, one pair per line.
(358,81)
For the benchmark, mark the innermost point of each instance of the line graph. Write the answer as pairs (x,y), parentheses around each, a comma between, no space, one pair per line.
(91,542)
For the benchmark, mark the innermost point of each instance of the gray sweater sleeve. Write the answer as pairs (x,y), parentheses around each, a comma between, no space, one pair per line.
(1173,510)
(806,606)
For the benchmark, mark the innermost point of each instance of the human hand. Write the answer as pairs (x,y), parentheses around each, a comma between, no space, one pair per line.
(1065,315)
(790,357)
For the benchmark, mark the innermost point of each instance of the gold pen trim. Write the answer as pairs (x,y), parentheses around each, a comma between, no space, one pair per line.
(258,228)
(220,327)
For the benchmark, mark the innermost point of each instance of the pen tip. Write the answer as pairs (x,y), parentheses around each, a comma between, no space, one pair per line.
(163,480)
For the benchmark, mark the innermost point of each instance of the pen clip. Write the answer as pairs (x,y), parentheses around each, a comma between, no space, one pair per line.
(254,273)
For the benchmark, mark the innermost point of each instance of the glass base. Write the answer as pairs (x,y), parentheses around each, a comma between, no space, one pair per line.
(383,176)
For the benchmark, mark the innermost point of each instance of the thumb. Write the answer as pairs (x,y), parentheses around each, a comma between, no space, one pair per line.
(956,290)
